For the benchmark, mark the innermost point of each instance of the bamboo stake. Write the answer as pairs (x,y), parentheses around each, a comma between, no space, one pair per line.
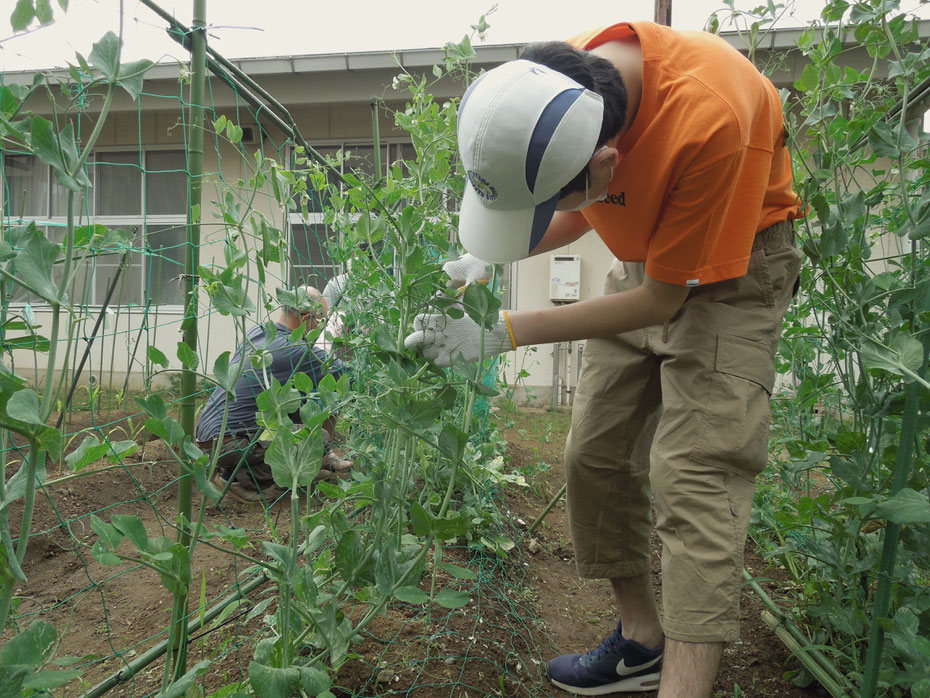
(176,662)
(801,652)
(143,660)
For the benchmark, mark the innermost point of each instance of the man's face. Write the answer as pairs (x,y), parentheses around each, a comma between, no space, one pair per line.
(600,172)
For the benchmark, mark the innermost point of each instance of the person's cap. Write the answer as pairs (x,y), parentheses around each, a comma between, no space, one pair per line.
(524,132)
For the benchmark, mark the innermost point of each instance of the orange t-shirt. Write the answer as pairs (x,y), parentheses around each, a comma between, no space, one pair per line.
(703,167)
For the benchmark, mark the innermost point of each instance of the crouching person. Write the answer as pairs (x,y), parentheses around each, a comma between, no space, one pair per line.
(241,469)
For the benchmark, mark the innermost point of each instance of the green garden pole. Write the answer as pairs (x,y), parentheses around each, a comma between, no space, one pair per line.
(177,657)
(900,475)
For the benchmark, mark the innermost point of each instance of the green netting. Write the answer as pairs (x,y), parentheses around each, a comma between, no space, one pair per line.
(422,439)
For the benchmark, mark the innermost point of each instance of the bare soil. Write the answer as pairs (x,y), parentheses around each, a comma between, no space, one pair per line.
(524,608)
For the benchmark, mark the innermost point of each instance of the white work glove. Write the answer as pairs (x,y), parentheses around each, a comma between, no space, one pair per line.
(466,270)
(440,338)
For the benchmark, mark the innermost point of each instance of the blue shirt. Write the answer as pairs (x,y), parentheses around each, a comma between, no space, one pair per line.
(287,358)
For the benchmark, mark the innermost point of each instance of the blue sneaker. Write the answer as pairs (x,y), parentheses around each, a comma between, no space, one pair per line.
(617,666)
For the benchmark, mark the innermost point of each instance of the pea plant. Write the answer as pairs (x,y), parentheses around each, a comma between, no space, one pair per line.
(379,538)
(425,463)
(849,515)
(35,269)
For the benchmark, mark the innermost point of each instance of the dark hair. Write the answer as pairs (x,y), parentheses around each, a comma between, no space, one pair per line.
(594,73)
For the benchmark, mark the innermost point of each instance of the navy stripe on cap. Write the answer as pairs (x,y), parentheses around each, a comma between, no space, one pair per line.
(471,88)
(542,216)
(548,121)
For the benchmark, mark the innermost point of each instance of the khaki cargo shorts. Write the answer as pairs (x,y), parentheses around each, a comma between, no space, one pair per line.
(679,415)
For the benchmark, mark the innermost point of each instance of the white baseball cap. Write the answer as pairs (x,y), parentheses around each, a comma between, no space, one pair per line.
(524,132)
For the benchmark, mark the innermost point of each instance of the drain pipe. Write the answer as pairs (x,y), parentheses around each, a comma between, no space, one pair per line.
(556,356)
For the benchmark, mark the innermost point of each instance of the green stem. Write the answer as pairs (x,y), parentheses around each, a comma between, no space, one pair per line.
(288,589)
(35,453)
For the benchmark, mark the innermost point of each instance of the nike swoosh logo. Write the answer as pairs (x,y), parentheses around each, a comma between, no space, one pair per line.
(625,670)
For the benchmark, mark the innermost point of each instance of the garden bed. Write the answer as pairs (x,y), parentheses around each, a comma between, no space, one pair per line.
(524,608)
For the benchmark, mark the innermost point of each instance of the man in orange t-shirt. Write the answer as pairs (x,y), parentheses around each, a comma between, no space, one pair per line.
(670,146)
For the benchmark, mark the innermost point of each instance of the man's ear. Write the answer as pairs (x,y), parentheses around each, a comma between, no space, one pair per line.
(606,157)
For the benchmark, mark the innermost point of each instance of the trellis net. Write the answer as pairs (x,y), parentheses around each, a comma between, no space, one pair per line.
(426,453)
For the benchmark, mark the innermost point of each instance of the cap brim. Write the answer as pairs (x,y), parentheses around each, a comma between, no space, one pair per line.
(502,236)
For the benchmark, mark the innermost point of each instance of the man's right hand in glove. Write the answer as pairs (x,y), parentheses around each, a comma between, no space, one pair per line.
(441,338)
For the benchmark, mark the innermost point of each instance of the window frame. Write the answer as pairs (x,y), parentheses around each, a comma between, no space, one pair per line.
(127,221)
(394,151)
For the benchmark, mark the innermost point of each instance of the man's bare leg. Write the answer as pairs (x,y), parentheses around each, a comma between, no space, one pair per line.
(689,668)
(636,603)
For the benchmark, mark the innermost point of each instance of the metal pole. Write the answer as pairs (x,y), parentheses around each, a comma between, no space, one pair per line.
(664,12)
(556,348)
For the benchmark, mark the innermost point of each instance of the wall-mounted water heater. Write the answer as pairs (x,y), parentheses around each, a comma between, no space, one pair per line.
(564,278)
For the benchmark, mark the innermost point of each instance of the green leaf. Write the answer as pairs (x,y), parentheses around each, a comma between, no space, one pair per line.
(420,520)
(31,647)
(452,441)
(120,449)
(906,507)
(35,264)
(187,356)
(108,533)
(222,375)
(314,681)
(132,527)
(52,441)
(24,406)
(481,305)
(22,16)
(179,688)
(44,12)
(104,56)
(882,140)
(458,572)
(153,406)
(233,133)
(11,681)
(921,689)
(450,527)
(157,356)
(903,357)
(90,450)
(273,682)
(206,487)
(452,598)
(167,429)
(349,551)
(59,151)
(44,680)
(219,124)
(409,594)
(31,342)
(130,76)
(103,554)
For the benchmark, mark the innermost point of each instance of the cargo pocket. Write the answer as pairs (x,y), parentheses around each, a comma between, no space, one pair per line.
(734,426)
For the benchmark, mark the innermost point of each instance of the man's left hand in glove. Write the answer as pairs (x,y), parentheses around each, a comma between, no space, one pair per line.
(440,338)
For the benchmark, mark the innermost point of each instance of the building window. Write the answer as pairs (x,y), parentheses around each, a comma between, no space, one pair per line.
(143,193)
(310,234)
